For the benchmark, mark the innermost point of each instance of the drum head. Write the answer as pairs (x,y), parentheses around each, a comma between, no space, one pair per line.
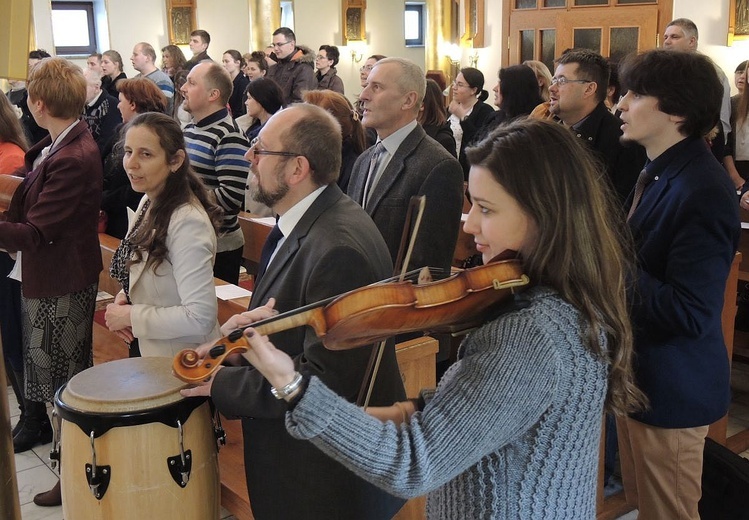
(125,385)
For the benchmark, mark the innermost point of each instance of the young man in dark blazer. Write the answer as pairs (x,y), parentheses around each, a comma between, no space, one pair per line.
(684,218)
(329,246)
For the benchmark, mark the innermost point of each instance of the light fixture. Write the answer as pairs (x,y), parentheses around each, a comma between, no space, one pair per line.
(473,59)
(357,48)
(454,53)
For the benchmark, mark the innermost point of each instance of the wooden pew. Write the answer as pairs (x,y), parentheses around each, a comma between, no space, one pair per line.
(718,429)
(255,232)
(108,245)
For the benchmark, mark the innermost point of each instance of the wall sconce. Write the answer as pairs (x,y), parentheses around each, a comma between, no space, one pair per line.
(454,54)
(473,59)
(357,50)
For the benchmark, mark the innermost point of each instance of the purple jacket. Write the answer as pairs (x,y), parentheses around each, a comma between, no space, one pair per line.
(53,217)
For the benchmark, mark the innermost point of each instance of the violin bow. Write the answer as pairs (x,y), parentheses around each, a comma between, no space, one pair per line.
(370,375)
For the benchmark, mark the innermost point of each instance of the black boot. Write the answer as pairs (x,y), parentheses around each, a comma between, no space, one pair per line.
(36,428)
(16,381)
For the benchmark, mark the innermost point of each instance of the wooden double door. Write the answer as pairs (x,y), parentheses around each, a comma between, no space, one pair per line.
(543,29)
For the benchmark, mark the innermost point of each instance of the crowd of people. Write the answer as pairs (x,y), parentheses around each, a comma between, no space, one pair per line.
(619,193)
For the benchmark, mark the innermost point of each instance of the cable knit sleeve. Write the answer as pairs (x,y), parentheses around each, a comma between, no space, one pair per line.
(500,388)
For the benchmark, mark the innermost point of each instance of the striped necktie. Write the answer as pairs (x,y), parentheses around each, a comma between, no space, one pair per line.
(374,162)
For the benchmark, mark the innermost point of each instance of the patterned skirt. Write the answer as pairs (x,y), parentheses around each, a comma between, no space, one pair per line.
(57,340)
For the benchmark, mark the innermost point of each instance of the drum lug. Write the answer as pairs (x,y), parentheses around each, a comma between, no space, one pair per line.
(179,472)
(54,452)
(97,476)
(180,465)
(219,431)
(98,479)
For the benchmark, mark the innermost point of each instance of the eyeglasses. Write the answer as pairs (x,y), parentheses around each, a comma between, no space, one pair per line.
(368,68)
(279,44)
(459,85)
(321,57)
(253,152)
(562,81)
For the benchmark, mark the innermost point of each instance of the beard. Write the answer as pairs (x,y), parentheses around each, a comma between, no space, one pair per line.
(271,198)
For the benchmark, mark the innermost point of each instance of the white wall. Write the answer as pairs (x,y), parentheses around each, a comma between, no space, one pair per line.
(228,23)
(713,26)
(319,22)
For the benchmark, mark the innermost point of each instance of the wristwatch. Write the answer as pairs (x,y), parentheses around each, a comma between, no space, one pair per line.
(286,391)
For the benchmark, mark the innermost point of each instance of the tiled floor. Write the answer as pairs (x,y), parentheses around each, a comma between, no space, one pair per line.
(34,474)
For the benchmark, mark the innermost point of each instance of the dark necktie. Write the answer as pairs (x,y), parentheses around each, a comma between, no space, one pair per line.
(374,162)
(270,245)
(643,180)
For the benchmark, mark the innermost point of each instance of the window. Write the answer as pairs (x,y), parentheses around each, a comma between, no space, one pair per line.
(414,25)
(73,28)
(287,14)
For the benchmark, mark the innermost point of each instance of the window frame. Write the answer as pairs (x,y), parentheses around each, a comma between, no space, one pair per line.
(79,50)
(420,9)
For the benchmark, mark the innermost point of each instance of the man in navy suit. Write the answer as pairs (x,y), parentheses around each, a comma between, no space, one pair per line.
(686,227)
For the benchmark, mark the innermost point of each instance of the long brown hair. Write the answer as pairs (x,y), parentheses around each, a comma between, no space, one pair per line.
(179,61)
(182,187)
(343,111)
(743,109)
(584,247)
(433,111)
(11,130)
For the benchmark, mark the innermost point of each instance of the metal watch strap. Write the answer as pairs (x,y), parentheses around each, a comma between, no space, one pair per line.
(283,393)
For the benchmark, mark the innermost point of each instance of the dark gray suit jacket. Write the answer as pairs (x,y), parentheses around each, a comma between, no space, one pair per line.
(334,248)
(420,166)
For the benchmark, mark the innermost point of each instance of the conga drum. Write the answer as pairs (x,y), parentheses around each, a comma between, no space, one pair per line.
(131,447)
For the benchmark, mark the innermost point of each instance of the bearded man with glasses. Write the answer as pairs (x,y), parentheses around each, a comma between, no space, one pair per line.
(324,244)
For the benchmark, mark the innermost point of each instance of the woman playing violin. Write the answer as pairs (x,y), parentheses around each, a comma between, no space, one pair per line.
(513,429)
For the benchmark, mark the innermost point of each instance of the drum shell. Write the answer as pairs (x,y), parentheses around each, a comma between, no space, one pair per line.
(141,485)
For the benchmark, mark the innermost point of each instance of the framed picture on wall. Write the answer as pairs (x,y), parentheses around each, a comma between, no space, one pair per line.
(354,24)
(738,21)
(471,17)
(181,19)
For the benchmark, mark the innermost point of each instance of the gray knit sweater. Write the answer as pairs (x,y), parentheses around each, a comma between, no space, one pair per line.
(512,431)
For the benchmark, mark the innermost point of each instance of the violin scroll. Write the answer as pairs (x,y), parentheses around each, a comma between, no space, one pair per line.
(190,368)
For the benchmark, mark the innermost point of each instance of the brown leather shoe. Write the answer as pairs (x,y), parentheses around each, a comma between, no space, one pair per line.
(50,498)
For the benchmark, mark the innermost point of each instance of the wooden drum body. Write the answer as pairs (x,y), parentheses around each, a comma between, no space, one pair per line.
(147,451)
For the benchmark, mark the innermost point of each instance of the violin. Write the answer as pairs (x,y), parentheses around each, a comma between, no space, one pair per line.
(368,314)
